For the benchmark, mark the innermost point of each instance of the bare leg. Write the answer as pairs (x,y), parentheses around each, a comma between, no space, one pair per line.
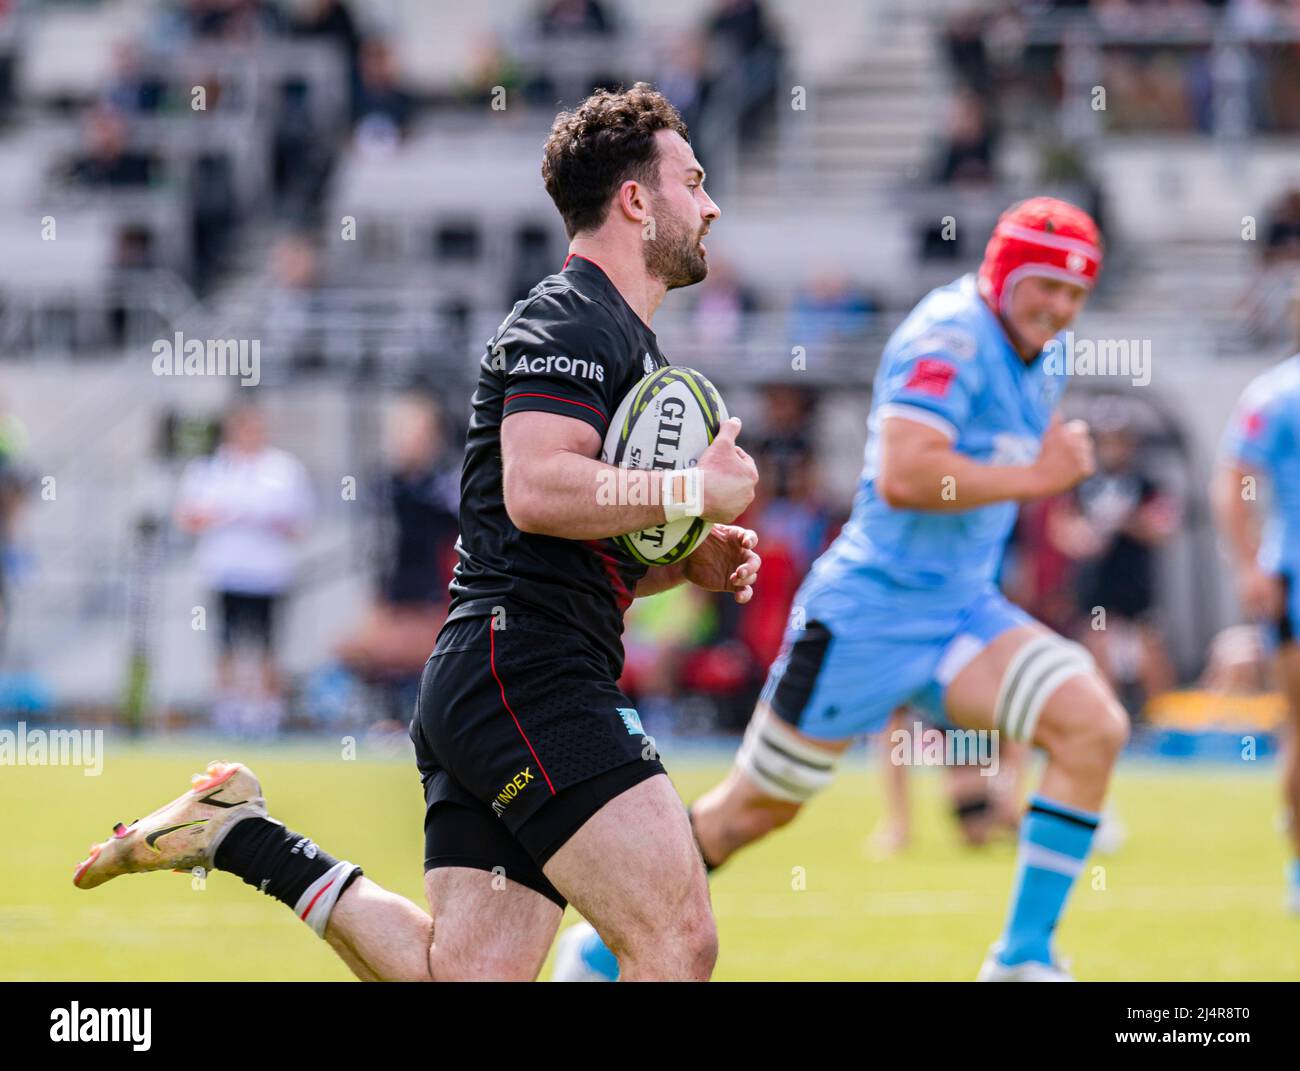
(737,812)
(1289,672)
(895,830)
(483,927)
(634,872)
(1082,727)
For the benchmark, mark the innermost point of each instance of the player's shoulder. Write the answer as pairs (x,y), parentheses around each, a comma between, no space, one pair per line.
(947,323)
(1281,383)
(565,307)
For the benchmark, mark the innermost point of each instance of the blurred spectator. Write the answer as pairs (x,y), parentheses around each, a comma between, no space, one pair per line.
(332,21)
(214,212)
(829,308)
(745,58)
(419,504)
(967,154)
(559,18)
(107,161)
(1282,229)
(723,304)
(1112,526)
(291,288)
(967,54)
(131,89)
(235,20)
(302,156)
(491,66)
(247,504)
(384,108)
(682,76)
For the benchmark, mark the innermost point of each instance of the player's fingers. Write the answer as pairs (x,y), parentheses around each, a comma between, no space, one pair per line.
(743,595)
(728,432)
(749,540)
(747,572)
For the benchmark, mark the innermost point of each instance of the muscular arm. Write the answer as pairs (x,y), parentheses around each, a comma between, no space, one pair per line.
(553,484)
(916,460)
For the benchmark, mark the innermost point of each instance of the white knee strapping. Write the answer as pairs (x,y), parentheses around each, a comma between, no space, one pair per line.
(317,902)
(1036,670)
(780,763)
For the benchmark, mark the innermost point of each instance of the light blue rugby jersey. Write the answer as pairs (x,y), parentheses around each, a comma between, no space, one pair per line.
(949,365)
(1264,435)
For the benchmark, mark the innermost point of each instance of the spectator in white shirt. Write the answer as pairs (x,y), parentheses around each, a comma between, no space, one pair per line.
(247,504)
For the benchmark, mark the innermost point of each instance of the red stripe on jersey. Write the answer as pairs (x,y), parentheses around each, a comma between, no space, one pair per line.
(557,398)
(616,581)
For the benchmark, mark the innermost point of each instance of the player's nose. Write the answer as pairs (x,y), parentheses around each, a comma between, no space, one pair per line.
(710,211)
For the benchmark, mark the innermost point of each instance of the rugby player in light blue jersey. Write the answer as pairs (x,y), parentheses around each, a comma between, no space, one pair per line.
(904,608)
(1263,441)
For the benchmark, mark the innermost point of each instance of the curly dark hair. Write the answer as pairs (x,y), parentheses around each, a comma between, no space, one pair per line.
(608,139)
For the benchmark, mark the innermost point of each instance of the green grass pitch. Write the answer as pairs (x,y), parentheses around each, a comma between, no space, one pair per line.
(1195,893)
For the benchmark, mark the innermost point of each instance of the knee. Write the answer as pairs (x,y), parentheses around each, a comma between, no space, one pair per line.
(1086,724)
(679,945)
(705,951)
(698,939)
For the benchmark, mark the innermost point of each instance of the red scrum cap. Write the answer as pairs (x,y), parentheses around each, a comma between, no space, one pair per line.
(1041,236)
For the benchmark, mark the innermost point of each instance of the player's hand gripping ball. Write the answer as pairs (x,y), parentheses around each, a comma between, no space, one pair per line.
(666,422)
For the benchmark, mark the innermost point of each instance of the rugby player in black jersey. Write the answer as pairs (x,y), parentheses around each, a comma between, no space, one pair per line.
(540,786)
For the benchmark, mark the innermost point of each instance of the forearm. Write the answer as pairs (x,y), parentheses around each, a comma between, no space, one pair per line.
(945,481)
(1235,517)
(570,496)
(660,578)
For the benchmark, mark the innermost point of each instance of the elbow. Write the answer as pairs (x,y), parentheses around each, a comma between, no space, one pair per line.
(897,493)
(525,508)
(523,513)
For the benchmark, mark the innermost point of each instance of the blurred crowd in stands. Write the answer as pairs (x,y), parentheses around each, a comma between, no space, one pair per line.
(1167,66)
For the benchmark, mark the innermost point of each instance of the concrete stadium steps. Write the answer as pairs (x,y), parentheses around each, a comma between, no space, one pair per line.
(874,122)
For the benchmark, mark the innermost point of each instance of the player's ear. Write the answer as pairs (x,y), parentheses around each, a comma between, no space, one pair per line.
(633,202)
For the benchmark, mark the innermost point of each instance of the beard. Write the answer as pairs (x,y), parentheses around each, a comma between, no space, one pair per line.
(673,256)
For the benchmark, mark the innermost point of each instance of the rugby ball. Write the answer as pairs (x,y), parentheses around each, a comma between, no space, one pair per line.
(666,422)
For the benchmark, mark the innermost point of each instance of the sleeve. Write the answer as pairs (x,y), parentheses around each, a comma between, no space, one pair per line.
(1256,432)
(932,379)
(559,356)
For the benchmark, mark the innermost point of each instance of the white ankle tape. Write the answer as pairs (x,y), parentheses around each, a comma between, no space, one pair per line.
(316,904)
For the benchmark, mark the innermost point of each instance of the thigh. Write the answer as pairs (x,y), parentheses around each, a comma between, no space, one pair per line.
(487,927)
(1071,697)
(634,866)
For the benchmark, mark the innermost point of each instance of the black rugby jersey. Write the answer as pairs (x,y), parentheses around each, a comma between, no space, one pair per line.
(573,347)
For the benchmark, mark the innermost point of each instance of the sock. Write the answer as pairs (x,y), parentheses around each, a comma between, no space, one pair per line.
(1054,842)
(598,957)
(288,866)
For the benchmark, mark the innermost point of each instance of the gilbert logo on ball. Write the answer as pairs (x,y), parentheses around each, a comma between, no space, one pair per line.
(664,423)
